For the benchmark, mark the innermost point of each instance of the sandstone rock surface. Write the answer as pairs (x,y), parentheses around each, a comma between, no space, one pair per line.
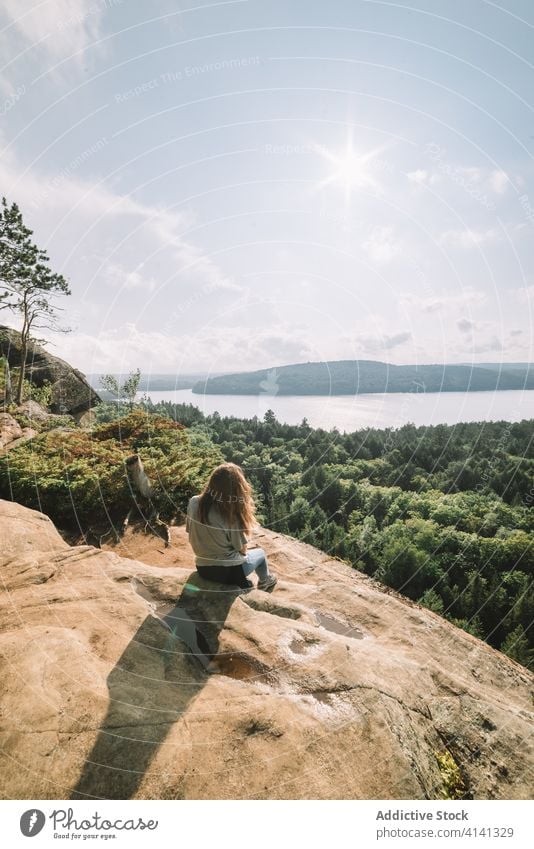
(34,411)
(130,679)
(9,429)
(71,393)
(11,433)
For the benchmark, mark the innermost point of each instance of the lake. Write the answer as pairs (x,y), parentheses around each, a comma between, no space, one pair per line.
(351,412)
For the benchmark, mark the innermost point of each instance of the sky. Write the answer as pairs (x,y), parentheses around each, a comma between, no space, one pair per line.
(238,185)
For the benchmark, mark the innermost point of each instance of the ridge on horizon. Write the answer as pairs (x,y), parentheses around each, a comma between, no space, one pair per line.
(226,372)
(350,377)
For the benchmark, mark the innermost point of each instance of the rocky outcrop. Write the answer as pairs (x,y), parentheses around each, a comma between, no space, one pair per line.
(71,393)
(11,433)
(33,410)
(87,418)
(9,429)
(130,679)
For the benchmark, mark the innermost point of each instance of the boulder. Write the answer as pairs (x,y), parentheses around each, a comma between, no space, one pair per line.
(9,429)
(32,410)
(130,679)
(71,393)
(86,419)
(12,434)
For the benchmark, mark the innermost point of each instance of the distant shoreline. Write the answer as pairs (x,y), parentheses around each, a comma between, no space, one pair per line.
(350,412)
(181,385)
(345,378)
(266,395)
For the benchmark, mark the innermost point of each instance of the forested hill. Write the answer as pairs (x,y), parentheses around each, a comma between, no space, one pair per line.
(350,377)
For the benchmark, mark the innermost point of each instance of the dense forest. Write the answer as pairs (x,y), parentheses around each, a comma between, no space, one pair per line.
(350,377)
(442,514)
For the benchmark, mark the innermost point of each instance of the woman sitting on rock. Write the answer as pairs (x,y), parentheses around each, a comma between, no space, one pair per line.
(218,522)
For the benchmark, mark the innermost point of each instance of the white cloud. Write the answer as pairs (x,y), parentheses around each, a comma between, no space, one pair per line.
(525,294)
(396,340)
(213,349)
(472,173)
(123,348)
(384,342)
(381,246)
(77,219)
(57,28)
(468,238)
(495,180)
(421,176)
(499,181)
(488,345)
(486,337)
(126,278)
(464,325)
(418,176)
(477,181)
(444,303)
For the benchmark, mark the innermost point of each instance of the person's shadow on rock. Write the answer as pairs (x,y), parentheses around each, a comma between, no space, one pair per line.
(158,675)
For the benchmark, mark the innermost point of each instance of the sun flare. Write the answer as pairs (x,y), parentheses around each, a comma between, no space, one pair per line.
(351,169)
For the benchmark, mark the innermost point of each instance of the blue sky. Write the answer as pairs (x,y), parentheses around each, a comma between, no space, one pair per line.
(244,184)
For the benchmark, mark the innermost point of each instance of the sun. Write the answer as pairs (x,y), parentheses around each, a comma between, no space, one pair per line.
(351,170)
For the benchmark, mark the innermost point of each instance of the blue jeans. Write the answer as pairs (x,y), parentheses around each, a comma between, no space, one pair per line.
(256,562)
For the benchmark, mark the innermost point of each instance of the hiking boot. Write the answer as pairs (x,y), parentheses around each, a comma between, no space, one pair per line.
(267,583)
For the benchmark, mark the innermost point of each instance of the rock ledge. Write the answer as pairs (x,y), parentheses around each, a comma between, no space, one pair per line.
(130,679)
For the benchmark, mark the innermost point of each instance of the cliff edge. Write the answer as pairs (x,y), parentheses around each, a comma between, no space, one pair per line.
(131,679)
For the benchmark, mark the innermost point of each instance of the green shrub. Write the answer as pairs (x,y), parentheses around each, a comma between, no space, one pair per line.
(453,783)
(41,394)
(53,422)
(78,478)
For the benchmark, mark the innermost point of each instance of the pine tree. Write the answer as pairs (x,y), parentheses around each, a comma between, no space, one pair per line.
(28,284)
(517,647)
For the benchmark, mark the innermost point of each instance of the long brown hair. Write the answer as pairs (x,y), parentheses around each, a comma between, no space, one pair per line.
(229,491)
